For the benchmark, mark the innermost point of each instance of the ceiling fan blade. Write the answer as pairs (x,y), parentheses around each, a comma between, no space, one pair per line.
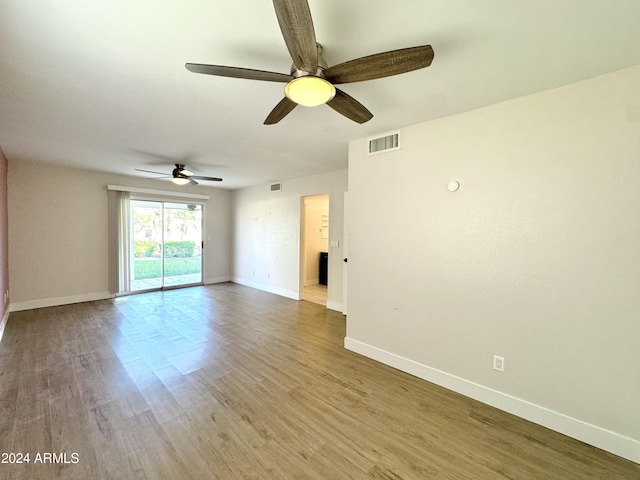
(381,65)
(211,179)
(350,107)
(296,24)
(151,171)
(280,111)
(237,72)
(192,182)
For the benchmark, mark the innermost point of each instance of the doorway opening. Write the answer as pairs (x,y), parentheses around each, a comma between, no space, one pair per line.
(314,249)
(166,245)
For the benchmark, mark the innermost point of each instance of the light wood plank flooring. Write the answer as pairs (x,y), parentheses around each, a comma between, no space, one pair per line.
(316,294)
(227,382)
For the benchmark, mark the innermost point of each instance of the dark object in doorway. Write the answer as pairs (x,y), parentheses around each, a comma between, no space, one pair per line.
(324,264)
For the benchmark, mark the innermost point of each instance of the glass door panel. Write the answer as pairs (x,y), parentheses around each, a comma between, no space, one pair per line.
(166,248)
(146,257)
(182,244)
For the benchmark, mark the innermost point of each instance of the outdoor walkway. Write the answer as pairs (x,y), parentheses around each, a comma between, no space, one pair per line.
(155,283)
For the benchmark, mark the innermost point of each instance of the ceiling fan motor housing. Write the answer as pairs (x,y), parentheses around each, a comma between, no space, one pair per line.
(181,172)
(322,65)
(310,89)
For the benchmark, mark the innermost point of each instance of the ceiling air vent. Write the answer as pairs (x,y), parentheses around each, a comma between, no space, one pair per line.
(385,143)
(276,187)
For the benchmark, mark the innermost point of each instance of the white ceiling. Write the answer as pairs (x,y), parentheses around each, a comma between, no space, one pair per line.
(102,84)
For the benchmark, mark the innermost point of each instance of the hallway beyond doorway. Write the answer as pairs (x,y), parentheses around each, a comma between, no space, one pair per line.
(314,248)
(315,294)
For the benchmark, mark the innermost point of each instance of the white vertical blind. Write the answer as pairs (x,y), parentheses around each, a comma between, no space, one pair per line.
(124,241)
(119,241)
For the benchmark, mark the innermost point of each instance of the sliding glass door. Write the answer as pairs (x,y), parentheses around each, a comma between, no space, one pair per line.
(166,246)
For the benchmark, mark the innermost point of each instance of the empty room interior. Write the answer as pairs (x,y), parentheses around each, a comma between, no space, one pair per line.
(206,272)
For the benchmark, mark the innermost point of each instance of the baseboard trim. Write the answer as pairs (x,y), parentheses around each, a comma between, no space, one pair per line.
(283,292)
(210,281)
(54,302)
(337,306)
(607,440)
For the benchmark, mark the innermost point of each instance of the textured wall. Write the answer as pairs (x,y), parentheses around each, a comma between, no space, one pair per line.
(535,258)
(267,253)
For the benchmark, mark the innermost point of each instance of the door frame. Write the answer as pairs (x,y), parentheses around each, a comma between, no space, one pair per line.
(302,269)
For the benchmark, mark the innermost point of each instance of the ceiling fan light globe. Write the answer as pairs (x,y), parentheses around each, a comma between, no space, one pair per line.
(180,180)
(309,91)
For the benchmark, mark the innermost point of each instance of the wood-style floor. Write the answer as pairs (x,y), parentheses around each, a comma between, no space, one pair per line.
(315,294)
(227,382)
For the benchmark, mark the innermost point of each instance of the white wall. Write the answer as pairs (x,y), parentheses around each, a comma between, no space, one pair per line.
(267,235)
(536,258)
(58,220)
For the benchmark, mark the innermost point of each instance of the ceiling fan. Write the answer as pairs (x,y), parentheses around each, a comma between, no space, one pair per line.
(311,82)
(182,176)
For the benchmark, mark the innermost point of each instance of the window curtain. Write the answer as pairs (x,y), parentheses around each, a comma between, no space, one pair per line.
(119,241)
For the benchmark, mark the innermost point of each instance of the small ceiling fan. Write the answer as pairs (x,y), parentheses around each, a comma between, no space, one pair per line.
(311,82)
(181,176)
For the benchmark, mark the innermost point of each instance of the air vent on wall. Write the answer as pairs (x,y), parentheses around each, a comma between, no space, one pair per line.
(385,143)
(276,187)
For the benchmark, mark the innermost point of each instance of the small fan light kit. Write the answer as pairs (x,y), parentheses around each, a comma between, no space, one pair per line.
(181,176)
(311,82)
(309,91)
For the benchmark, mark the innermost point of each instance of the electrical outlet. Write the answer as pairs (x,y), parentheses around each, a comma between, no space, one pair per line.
(498,363)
